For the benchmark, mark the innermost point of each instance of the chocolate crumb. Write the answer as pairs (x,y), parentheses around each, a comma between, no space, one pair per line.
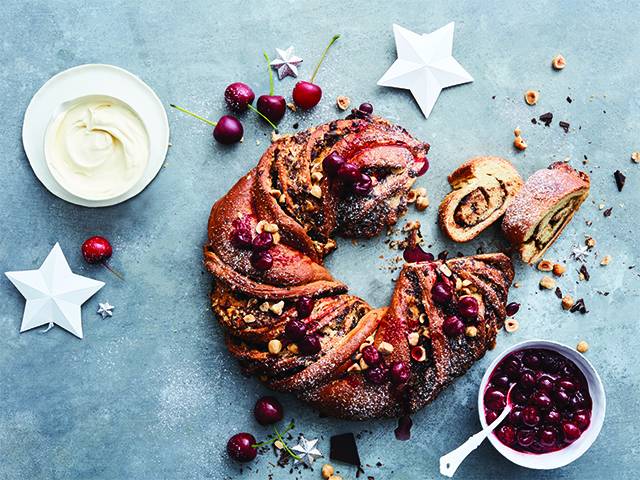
(295,125)
(565,126)
(546,118)
(620,179)
(558,292)
(493,97)
(607,212)
(569,99)
(534,121)
(579,306)
(583,270)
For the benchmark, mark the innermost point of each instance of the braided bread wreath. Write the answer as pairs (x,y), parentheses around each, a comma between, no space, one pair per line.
(288,321)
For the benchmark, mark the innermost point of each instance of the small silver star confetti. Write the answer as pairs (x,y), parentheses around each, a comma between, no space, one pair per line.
(307,451)
(287,63)
(580,253)
(105,310)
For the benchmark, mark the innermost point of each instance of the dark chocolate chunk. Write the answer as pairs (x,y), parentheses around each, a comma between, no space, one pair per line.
(607,212)
(546,118)
(558,292)
(565,126)
(534,121)
(620,179)
(583,270)
(344,449)
(579,306)
(569,99)
(295,125)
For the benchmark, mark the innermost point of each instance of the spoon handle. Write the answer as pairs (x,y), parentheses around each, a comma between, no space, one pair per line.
(450,462)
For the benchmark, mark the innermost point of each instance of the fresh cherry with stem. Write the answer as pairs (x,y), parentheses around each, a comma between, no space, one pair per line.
(308,94)
(98,250)
(227,129)
(270,107)
(239,96)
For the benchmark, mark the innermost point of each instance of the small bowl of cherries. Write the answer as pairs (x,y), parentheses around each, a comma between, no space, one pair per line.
(558,404)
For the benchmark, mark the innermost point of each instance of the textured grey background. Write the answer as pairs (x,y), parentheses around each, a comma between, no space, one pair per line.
(151,393)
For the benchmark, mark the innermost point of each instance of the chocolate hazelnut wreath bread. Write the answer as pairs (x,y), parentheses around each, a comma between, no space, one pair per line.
(543,207)
(483,188)
(288,321)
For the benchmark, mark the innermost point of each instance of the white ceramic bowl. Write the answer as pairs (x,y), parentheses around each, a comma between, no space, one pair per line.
(565,456)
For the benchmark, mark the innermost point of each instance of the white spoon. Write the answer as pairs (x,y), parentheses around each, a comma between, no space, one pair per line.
(450,462)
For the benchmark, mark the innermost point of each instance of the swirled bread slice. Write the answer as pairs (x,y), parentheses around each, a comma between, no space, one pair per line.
(483,188)
(543,208)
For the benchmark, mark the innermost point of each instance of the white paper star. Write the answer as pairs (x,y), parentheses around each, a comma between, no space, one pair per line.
(425,65)
(54,293)
(287,64)
(307,451)
(580,253)
(105,310)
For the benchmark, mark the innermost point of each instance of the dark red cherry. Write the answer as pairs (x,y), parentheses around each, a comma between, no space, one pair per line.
(400,373)
(468,308)
(526,381)
(491,417)
(241,238)
(295,330)
(531,416)
(582,419)
(261,242)
(552,416)
(494,399)
(238,96)
(541,400)
(550,363)
(228,130)
(348,173)
(261,260)
(268,410)
(512,368)
(507,434)
(547,436)
(545,383)
(366,108)
(561,397)
(304,306)
(531,360)
(96,249)
(371,356)
(525,437)
(272,106)
(240,449)
(501,381)
(512,309)
(518,397)
(453,326)
(567,385)
(571,432)
(515,416)
(376,375)
(306,94)
(415,253)
(332,163)
(363,186)
(441,292)
(310,345)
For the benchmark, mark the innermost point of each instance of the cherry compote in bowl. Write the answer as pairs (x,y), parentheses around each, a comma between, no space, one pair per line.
(558,404)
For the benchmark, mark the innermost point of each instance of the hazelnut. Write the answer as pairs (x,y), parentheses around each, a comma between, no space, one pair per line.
(605,260)
(519,143)
(635,157)
(316,177)
(316,191)
(264,306)
(327,469)
(545,266)
(511,325)
(558,62)
(547,283)
(277,307)
(567,302)
(343,102)
(275,346)
(278,444)
(292,106)
(422,203)
(582,346)
(531,97)
(385,348)
(412,225)
(558,269)
(260,226)
(270,228)
(517,131)
(293,348)
(471,331)
(362,364)
(249,318)
(413,338)
(418,353)
(590,242)
(412,196)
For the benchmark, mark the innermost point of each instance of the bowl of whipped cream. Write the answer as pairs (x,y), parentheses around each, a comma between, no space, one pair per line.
(96,147)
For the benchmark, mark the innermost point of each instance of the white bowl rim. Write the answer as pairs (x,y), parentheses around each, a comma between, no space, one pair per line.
(565,456)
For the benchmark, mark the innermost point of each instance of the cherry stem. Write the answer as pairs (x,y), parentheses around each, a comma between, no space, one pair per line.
(112,270)
(279,437)
(184,110)
(258,112)
(324,54)
(270,72)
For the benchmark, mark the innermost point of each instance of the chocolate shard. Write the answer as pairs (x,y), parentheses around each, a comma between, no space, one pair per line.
(585,273)
(620,179)
(344,449)
(546,118)
(607,212)
(579,306)
(564,125)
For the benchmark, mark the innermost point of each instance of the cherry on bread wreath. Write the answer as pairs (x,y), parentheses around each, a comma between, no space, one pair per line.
(288,321)
(483,188)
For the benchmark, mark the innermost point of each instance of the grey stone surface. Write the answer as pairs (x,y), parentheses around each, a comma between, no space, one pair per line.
(151,393)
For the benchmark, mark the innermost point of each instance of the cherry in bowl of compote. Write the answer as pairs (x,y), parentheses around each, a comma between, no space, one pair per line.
(557,404)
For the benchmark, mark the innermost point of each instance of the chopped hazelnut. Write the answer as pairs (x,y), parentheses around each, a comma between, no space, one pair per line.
(385,347)
(517,132)
(249,318)
(558,269)
(511,325)
(635,157)
(582,346)
(547,282)
(264,306)
(274,136)
(343,102)
(590,242)
(545,265)
(413,338)
(531,97)
(519,143)
(316,177)
(558,62)
(327,469)
(605,260)
(292,106)
(422,203)
(270,228)
(445,270)
(471,331)
(277,307)
(293,348)
(275,346)
(567,302)
(412,225)
(418,353)
(260,226)
(278,444)
(282,198)
(316,191)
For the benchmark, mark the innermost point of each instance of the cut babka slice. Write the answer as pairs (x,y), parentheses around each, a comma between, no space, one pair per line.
(543,208)
(483,188)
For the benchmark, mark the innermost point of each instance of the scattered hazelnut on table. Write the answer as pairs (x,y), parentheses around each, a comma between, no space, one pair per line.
(558,62)
(327,470)
(519,143)
(422,203)
(558,269)
(343,102)
(590,242)
(511,325)
(605,260)
(567,302)
(582,346)
(547,283)
(635,157)
(531,97)
(545,265)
